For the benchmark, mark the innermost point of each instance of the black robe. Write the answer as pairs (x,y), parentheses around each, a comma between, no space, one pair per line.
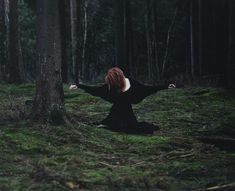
(121,117)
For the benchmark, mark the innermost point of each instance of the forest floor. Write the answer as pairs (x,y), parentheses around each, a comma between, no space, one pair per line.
(193,150)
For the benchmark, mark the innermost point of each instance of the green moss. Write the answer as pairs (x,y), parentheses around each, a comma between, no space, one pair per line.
(44,157)
(99,175)
(27,142)
(143,140)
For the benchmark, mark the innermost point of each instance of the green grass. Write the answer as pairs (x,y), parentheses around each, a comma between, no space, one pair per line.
(82,156)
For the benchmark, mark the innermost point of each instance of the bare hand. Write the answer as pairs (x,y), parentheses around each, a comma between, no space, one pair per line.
(171,86)
(73,87)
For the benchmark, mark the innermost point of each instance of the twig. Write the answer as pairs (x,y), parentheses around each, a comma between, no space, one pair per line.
(109,165)
(231,185)
(187,155)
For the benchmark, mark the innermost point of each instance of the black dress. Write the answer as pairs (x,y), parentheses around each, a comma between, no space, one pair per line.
(121,117)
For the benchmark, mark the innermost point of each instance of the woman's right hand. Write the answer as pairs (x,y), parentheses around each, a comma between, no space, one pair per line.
(73,87)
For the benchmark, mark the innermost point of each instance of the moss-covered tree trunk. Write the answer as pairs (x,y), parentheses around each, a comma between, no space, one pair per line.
(15,53)
(48,103)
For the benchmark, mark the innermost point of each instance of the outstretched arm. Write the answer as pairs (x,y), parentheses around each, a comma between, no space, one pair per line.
(142,91)
(99,91)
(153,89)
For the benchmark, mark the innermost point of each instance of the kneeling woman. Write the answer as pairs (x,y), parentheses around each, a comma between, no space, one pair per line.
(123,92)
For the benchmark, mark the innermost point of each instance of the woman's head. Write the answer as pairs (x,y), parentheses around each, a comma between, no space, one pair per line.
(115,79)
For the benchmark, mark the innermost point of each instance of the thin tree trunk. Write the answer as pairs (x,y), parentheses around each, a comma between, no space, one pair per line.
(74,43)
(200,36)
(130,37)
(156,69)
(15,52)
(122,46)
(231,58)
(149,40)
(64,32)
(85,30)
(6,66)
(119,32)
(169,37)
(2,40)
(192,37)
(49,101)
(127,36)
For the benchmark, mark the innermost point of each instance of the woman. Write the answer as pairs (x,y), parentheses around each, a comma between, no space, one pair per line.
(123,92)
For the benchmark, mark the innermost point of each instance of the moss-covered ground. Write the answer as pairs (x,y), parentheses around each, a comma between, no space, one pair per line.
(81,156)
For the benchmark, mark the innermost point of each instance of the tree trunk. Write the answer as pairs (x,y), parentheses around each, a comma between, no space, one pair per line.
(85,31)
(149,40)
(48,102)
(200,37)
(128,36)
(64,32)
(122,46)
(2,41)
(192,39)
(231,49)
(152,44)
(74,45)
(156,68)
(170,36)
(15,53)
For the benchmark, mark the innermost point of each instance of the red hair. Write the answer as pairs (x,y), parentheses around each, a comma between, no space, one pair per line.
(115,79)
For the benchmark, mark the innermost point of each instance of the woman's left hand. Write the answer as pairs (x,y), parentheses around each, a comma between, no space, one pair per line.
(171,86)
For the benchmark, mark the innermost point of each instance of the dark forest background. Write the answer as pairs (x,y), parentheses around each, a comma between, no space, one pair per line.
(187,41)
(164,41)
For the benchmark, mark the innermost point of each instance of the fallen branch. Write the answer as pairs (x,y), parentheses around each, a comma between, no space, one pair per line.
(231,185)
(187,155)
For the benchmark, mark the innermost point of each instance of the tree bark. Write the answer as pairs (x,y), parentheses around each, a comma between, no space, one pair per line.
(231,48)
(127,36)
(2,40)
(15,53)
(192,39)
(152,43)
(168,40)
(130,37)
(122,46)
(49,101)
(64,32)
(74,43)
(200,37)
(85,33)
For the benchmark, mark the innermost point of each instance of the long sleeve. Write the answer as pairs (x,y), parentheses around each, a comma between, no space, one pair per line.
(141,91)
(147,90)
(99,91)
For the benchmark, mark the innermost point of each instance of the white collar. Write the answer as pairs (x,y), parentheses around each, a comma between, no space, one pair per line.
(127,85)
